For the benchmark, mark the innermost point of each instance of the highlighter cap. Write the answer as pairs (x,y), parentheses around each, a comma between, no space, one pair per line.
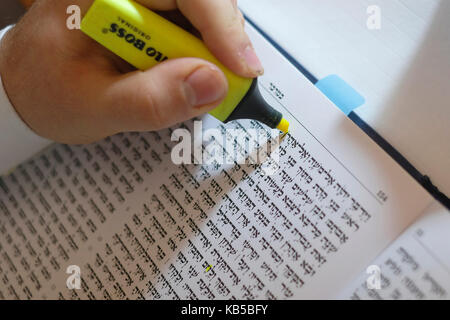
(253,106)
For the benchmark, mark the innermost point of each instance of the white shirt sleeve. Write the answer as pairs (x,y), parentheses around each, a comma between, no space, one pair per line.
(17,141)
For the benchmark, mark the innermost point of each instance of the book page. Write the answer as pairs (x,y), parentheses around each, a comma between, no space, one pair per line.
(415,266)
(392,64)
(118,219)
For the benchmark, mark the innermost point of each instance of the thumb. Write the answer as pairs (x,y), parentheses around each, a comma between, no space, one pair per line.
(169,93)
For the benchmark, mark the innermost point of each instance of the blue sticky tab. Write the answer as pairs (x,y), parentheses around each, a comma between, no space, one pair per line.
(341,93)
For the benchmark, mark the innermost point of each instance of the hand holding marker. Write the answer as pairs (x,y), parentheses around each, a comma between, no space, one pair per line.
(145,39)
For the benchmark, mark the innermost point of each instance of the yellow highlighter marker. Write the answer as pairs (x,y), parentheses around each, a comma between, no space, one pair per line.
(144,39)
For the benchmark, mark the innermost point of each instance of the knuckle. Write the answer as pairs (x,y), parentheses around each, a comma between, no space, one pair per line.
(242,19)
(150,108)
(235,4)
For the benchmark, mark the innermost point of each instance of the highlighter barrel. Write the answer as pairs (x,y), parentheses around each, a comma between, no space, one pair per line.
(144,39)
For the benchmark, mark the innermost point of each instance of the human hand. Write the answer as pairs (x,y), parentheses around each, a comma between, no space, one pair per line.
(68,88)
(27,3)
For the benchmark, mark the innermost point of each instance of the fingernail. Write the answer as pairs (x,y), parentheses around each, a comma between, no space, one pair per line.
(252,60)
(205,85)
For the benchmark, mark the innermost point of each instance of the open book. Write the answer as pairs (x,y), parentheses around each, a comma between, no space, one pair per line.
(131,224)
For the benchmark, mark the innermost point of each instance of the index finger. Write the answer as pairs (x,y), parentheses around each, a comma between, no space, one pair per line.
(221,25)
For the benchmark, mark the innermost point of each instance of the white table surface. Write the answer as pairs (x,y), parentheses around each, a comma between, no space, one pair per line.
(403,69)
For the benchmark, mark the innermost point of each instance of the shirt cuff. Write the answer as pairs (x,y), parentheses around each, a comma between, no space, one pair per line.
(17,141)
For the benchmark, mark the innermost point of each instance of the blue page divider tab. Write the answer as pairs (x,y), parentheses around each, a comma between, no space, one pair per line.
(340,93)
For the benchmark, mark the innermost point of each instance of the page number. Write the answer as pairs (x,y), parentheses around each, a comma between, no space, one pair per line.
(382,196)
(275,90)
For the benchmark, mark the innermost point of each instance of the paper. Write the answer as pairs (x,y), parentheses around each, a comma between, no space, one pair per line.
(416,266)
(138,226)
(401,69)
